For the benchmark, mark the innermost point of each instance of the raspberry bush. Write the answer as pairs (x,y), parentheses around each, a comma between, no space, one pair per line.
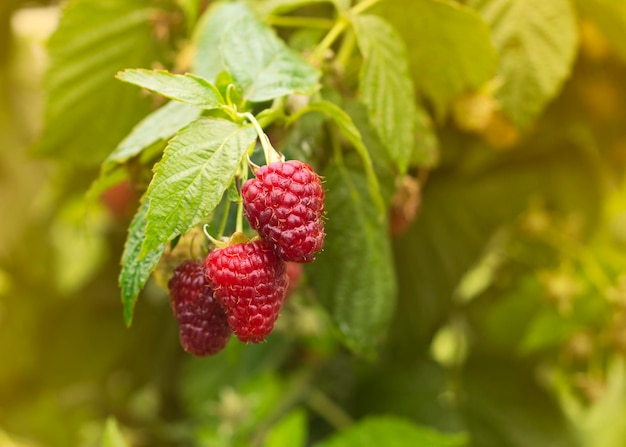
(340,223)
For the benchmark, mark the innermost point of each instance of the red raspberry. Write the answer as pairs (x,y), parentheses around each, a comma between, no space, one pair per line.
(249,281)
(202,325)
(285,204)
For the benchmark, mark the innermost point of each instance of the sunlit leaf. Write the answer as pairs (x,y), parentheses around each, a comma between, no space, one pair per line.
(112,436)
(185,88)
(392,432)
(261,63)
(450,49)
(386,88)
(160,125)
(289,431)
(87,110)
(537,42)
(197,167)
(207,60)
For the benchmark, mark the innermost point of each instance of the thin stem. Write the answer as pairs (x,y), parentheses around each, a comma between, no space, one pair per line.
(239,227)
(346,49)
(259,130)
(229,99)
(270,153)
(300,22)
(220,231)
(329,410)
(340,25)
(243,178)
(363,6)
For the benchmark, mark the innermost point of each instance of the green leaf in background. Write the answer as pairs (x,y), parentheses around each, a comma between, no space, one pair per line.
(426,151)
(386,87)
(450,48)
(290,431)
(504,406)
(269,7)
(459,215)
(185,88)
(88,111)
(207,60)
(135,269)
(602,423)
(353,277)
(261,64)
(537,42)
(610,18)
(349,130)
(197,167)
(112,436)
(391,432)
(158,126)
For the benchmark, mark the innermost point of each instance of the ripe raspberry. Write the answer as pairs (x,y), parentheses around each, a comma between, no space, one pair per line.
(285,204)
(249,281)
(202,325)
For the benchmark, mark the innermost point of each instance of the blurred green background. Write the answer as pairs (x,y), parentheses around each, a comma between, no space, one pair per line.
(511,320)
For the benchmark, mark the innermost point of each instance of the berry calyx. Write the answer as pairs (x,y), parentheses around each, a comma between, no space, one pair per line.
(249,281)
(202,324)
(285,204)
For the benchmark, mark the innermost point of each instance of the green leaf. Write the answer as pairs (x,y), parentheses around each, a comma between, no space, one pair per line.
(269,7)
(392,432)
(185,88)
(426,151)
(135,269)
(450,48)
(158,126)
(537,42)
(290,431)
(207,61)
(88,111)
(386,88)
(421,386)
(504,406)
(353,276)
(610,18)
(112,436)
(602,426)
(349,130)
(261,64)
(197,167)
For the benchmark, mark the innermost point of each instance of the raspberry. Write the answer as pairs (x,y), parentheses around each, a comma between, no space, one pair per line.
(202,325)
(285,204)
(249,281)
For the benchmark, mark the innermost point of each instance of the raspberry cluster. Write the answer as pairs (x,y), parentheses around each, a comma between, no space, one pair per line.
(241,287)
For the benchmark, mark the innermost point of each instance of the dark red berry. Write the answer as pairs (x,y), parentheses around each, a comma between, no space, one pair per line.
(285,204)
(249,280)
(202,324)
